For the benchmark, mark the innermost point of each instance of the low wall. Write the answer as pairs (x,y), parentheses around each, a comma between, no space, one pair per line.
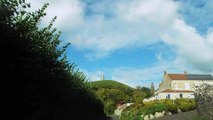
(204,101)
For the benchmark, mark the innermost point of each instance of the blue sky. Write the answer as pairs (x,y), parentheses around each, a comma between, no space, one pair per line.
(134,41)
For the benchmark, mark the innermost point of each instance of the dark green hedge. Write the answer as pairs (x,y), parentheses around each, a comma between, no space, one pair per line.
(39,83)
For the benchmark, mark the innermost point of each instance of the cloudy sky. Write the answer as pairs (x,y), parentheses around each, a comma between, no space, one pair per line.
(134,41)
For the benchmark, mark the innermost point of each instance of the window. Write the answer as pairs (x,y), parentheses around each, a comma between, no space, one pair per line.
(181,95)
(176,86)
(168,96)
(192,95)
(187,86)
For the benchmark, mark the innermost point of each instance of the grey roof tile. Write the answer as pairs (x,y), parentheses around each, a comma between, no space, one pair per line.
(199,77)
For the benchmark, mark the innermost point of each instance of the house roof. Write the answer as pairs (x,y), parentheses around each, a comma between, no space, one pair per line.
(199,77)
(190,76)
(178,76)
(176,91)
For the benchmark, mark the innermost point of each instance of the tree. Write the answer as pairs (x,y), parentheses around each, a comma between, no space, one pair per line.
(39,81)
(138,96)
(152,91)
(138,87)
(110,98)
(144,90)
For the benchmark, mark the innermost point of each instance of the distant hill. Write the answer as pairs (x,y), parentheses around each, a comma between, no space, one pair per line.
(111,84)
(113,93)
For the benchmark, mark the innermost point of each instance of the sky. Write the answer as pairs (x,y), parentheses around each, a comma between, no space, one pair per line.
(134,41)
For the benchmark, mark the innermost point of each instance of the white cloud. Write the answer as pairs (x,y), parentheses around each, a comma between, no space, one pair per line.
(140,11)
(197,13)
(132,24)
(140,23)
(210,37)
(153,73)
(94,56)
(144,76)
(70,13)
(193,48)
(92,76)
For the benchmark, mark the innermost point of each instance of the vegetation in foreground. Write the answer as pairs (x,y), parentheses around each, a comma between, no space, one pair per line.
(38,81)
(136,111)
(113,93)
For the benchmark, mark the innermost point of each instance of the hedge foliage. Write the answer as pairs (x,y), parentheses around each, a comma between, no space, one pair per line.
(186,104)
(39,82)
(150,108)
(132,113)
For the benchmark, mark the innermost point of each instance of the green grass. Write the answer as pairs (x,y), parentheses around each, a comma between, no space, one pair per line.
(111,84)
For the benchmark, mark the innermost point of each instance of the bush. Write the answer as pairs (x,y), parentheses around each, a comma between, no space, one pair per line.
(109,108)
(35,71)
(188,100)
(186,104)
(131,113)
(136,111)
(171,107)
(151,108)
(127,114)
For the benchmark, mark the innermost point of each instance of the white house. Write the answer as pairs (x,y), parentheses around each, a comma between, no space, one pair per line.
(180,85)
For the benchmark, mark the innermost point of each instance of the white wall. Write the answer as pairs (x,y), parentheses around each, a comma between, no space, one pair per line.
(174,95)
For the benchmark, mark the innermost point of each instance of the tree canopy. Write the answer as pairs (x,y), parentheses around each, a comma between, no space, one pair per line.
(113,93)
(152,91)
(39,82)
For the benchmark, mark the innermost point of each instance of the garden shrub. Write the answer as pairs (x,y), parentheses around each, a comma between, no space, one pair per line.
(172,107)
(131,113)
(188,100)
(185,104)
(109,107)
(160,107)
(151,108)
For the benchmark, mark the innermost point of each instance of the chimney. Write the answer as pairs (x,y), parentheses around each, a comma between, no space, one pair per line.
(185,72)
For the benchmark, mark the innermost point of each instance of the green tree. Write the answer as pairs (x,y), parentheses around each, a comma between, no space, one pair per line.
(110,84)
(110,98)
(109,107)
(138,96)
(39,81)
(144,90)
(152,91)
(132,113)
